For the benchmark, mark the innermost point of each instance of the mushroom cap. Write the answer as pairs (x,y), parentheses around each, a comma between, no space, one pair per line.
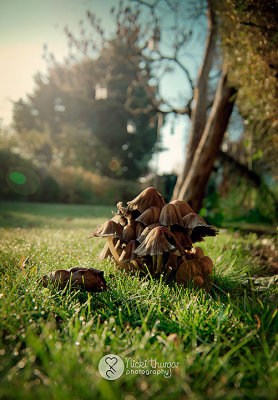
(188,271)
(59,277)
(199,227)
(119,219)
(139,229)
(149,216)
(128,253)
(198,252)
(128,233)
(183,238)
(159,240)
(206,265)
(109,228)
(89,278)
(183,206)
(146,231)
(149,197)
(170,215)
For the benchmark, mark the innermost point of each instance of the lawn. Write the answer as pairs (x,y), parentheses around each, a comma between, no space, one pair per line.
(224,343)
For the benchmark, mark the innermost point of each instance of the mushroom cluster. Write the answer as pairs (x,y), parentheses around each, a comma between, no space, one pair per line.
(154,237)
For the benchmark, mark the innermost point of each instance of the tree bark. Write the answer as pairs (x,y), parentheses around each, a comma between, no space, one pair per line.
(199,111)
(194,186)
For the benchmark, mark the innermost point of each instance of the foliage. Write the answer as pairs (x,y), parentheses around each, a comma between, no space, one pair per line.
(242,203)
(63,123)
(51,341)
(63,184)
(249,37)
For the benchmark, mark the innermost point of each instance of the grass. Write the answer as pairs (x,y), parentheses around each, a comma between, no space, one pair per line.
(51,342)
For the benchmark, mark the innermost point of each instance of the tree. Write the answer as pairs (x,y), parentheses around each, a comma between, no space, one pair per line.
(249,41)
(86,131)
(200,154)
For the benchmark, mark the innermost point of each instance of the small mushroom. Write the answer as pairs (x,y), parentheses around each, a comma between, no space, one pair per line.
(206,265)
(90,279)
(128,252)
(159,241)
(146,231)
(182,237)
(170,215)
(128,233)
(59,278)
(183,206)
(198,252)
(189,271)
(199,227)
(194,253)
(109,228)
(119,219)
(149,216)
(150,197)
(139,229)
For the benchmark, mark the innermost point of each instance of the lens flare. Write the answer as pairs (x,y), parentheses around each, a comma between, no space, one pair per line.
(18,178)
(23,180)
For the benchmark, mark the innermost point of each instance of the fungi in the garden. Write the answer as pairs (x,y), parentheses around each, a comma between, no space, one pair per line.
(150,235)
(150,197)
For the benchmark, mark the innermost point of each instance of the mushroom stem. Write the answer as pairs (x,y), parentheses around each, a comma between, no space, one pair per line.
(113,250)
(154,259)
(135,263)
(159,264)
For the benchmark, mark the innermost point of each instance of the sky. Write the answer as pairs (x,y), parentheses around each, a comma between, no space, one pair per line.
(27,25)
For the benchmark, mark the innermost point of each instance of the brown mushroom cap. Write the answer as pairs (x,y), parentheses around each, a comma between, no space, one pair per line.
(158,241)
(128,252)
(182,237)
(109,228)
(150,197)
(183,206)
(149,216)
(206,265)
(59,277)
(89,278)
(139,229)
(199,227)
(146,231)
(119,219)
(170,215)
(188,271)
(128,233)
(198,252)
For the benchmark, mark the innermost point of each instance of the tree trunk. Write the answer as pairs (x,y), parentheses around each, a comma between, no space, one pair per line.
(199,112)
(194,186)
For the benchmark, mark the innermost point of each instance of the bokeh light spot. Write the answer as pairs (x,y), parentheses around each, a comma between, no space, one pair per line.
(114,164)
(18,178)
